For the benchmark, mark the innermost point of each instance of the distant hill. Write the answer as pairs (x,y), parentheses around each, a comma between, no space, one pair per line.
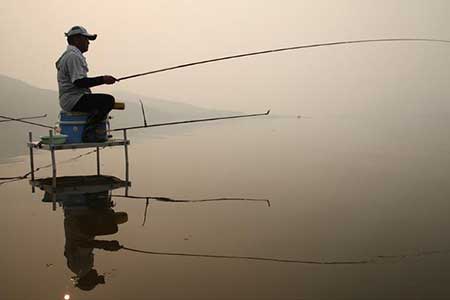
(18,98)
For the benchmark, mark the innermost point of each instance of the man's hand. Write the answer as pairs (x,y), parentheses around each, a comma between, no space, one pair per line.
(108,245)
(108,79)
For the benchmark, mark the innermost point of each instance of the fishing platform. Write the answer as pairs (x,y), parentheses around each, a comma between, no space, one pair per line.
(53,146)
(72,125)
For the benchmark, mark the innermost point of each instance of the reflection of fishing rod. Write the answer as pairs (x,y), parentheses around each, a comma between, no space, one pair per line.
(370,260)
(27,122)
(272,259)
(280,50)
(24,118)
(191,121)
(171,200)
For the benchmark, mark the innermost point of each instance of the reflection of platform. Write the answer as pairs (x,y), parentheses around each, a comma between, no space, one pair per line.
(109,143)
(80,184)
(78,191)
(53,147)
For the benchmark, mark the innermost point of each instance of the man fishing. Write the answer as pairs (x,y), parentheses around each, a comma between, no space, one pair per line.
(74,84)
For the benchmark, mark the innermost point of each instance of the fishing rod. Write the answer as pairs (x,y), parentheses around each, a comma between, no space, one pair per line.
(25,118)
(280,50)
(27,122)
(191,121)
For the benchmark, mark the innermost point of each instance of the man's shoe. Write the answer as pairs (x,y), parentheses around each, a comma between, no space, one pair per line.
(88,134)
(93,134)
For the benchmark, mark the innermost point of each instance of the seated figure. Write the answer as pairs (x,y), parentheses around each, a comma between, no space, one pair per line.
(74,84)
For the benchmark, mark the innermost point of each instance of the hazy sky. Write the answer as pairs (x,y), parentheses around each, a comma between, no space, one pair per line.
(137,36)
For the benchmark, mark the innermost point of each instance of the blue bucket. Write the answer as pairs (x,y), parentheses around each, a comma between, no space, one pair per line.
(72,124)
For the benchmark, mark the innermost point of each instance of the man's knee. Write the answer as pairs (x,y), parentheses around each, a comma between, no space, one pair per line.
(109,101)
(112,100)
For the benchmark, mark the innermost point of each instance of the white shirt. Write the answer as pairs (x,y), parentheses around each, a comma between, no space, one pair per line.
(71,66)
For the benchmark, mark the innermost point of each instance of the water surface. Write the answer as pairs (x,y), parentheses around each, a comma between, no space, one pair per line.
(341,189)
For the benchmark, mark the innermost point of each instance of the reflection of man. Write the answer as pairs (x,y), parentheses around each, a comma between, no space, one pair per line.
(85,217)
(74,84)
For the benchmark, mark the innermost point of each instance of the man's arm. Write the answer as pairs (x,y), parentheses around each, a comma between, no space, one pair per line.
(89,82)
(99,244)
(77,70)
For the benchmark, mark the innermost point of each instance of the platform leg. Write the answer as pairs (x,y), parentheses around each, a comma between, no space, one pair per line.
(126,161)
(98,161)
(54,200)
(52,151)
(30,137)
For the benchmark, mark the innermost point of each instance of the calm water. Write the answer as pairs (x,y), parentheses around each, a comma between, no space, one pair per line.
(340,190)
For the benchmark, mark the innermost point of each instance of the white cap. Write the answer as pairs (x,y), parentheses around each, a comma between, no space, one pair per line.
(80,30)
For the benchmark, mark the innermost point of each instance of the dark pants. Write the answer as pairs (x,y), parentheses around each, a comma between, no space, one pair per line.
(97,105)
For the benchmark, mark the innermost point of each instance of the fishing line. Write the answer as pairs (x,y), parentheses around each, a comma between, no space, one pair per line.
(280,50)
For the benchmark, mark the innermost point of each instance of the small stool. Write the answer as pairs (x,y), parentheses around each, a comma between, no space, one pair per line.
(73,124)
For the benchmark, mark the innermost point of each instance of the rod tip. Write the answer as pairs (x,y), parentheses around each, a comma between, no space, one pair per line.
(268,112)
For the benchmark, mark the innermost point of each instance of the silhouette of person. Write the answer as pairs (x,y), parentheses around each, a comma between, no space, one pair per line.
(86,216)
(74,84)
